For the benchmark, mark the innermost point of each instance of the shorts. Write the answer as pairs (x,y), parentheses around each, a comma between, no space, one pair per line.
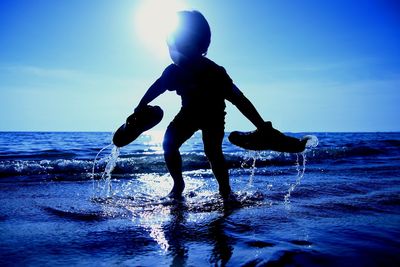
(185,124)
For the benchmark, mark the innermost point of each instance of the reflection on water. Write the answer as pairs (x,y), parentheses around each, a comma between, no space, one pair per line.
(173,228)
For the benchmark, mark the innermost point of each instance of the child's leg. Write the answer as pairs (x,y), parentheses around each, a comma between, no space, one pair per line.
(174,137)
(212,139)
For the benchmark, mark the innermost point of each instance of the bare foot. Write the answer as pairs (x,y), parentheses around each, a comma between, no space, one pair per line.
(231,201)
(176,192)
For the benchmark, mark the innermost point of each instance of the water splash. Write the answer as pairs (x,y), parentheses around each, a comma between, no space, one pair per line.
(300,174)
(112,162)
(251,156)
(104,185)
(312,142)
(97,155)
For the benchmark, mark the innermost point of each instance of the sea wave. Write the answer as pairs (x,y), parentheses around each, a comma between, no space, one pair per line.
(73,154)
(64,163)
(136,163)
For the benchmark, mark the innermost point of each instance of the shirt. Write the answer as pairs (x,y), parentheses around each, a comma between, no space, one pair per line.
(203,87)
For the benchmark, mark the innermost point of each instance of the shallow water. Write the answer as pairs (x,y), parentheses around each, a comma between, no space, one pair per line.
(343,208)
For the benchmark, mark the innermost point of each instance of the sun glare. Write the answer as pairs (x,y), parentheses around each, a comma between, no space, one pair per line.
(154,19)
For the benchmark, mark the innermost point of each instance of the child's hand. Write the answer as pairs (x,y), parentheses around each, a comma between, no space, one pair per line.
(140,108)
(266,126)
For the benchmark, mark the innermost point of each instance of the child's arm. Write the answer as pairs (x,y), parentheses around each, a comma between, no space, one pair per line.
(246,107)
(156,89)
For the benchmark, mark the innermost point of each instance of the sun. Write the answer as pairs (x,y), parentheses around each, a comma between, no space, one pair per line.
(154,19)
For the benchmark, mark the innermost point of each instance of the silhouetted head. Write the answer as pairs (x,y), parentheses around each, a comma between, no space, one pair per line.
(191,37)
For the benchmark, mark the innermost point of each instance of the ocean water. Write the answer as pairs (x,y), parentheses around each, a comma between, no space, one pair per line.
(337,204)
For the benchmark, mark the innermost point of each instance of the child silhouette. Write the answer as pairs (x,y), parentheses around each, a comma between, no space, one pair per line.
(203,87)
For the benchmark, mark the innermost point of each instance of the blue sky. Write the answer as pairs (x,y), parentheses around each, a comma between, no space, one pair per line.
(307,65)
